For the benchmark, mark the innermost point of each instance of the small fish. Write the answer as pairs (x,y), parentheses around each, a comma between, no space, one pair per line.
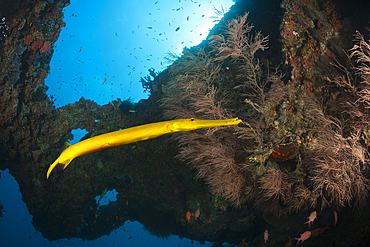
(177,29)
(311,218)
(188,216)
(265,235)
(187,18)
(110,102)
(80,49)
(196,214)
(132,111)
(149,27)
(304,236)
(105,79)
(156,2)
(335,218)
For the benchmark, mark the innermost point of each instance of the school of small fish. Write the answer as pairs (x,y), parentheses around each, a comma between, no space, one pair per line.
(155,30)
(304,236)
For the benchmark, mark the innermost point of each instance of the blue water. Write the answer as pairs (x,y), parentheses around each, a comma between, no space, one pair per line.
(117,41)
(122,40)
(16,227)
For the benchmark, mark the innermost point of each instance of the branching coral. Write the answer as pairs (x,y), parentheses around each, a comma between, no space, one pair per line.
(361,51)
(291,154)
(338,170)
(192,87)
(193,92)
(239,46)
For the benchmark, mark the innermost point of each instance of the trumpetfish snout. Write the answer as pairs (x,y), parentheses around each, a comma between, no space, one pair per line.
(135,134)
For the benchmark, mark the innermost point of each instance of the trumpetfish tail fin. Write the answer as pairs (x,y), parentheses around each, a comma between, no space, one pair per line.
(52,166)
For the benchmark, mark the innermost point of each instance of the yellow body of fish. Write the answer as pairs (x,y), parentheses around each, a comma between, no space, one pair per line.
(134,134)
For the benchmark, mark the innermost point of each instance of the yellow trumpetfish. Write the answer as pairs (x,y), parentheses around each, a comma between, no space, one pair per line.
(135,134)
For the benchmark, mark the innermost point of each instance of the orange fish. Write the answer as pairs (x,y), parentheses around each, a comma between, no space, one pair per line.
(110,102)
(335,218)
(196,214)
(265,235)
(105,80)
(175,192)
(311,218)
(304,236)
(188,216)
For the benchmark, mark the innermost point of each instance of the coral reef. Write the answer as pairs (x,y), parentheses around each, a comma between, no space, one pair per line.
(294,153)
(33,133)
(304,144)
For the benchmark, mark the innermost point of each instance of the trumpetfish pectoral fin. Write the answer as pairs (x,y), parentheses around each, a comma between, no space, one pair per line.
(52,166)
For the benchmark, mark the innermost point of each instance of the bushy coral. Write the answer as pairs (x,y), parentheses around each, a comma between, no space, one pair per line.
(291,153)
